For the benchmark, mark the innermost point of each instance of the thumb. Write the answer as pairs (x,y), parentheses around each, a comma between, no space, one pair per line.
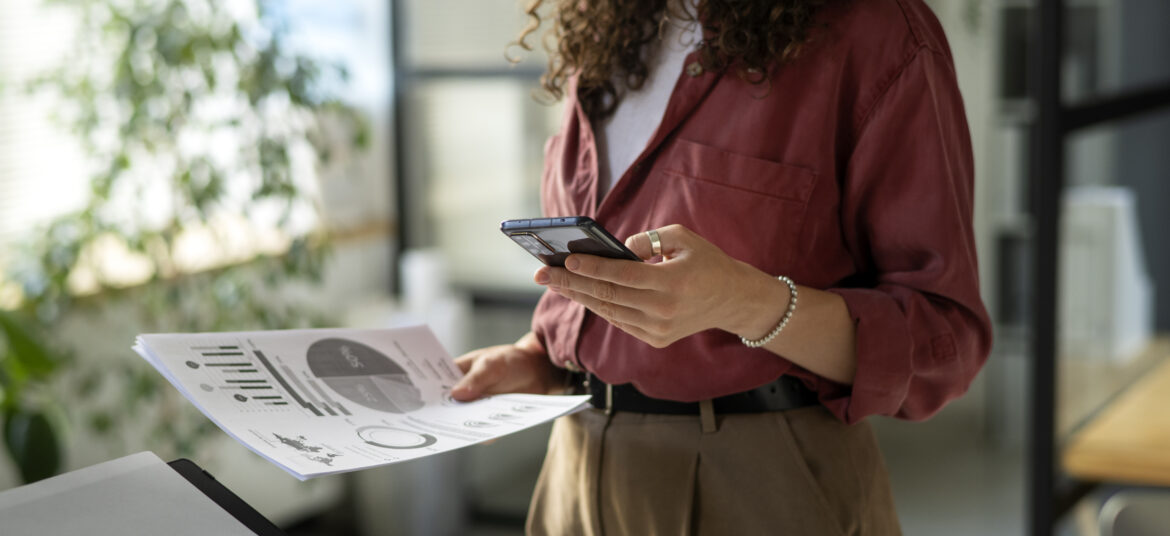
(483,374)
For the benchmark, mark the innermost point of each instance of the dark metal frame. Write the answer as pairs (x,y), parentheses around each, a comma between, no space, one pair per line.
(1051,494)
(401,189)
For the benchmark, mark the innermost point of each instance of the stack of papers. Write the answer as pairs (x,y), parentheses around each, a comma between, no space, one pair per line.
(320,402)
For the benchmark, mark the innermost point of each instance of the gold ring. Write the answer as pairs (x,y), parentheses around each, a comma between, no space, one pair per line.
(655,243)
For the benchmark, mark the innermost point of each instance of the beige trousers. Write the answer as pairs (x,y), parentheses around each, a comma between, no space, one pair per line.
(799,472)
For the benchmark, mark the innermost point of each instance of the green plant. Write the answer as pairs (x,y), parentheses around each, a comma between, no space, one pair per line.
(31,420)
(201,126)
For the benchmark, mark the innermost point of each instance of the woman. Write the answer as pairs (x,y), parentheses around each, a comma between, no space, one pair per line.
(780,149)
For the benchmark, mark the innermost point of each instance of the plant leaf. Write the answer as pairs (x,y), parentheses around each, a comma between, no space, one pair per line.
(25,348)
(34,442)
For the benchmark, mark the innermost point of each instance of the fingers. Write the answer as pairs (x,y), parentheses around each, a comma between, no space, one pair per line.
(614,313)
(672,238)
(464,361)
(482,373)
(561,280)
(638,275)
(639,243)
(653,330)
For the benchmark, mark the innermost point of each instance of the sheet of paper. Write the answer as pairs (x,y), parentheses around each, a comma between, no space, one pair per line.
(319,402)
(135,495)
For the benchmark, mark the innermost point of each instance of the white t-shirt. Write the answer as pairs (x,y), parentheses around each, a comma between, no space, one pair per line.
(624,135)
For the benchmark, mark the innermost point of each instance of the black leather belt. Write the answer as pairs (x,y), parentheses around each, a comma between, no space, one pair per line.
(783,394)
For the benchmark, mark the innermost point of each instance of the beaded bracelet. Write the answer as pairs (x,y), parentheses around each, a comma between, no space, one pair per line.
(783,320)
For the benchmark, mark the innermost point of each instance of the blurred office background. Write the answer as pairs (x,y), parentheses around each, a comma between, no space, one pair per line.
(391,138)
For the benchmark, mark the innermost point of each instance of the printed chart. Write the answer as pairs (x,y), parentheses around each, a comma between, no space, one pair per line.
(363,375)
(394,438)
(252,377)
(228,369)
(317,402)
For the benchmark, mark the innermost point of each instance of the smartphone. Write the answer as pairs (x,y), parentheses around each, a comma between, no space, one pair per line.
(552,239)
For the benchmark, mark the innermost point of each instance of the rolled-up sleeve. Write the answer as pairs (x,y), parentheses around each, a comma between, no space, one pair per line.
(922,331)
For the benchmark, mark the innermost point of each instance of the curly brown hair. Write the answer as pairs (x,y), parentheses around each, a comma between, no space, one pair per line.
(601,41)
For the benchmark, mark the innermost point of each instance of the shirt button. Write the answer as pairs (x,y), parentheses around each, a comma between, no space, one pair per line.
(694,69)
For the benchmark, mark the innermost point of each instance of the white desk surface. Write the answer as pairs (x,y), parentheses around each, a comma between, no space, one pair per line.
(137,494)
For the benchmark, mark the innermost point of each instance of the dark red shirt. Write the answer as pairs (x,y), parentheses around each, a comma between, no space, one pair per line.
(850,172)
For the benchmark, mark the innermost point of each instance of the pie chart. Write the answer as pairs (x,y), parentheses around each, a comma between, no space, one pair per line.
(363,375)
(394,438)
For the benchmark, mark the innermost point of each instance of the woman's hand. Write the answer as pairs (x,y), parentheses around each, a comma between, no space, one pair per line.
(697,287)
(522,367)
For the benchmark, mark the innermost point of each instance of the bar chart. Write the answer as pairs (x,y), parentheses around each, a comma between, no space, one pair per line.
(254,380)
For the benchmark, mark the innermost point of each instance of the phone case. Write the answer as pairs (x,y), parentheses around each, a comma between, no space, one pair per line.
(551,240)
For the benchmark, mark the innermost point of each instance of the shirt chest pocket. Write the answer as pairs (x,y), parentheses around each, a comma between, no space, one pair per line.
(751,208)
